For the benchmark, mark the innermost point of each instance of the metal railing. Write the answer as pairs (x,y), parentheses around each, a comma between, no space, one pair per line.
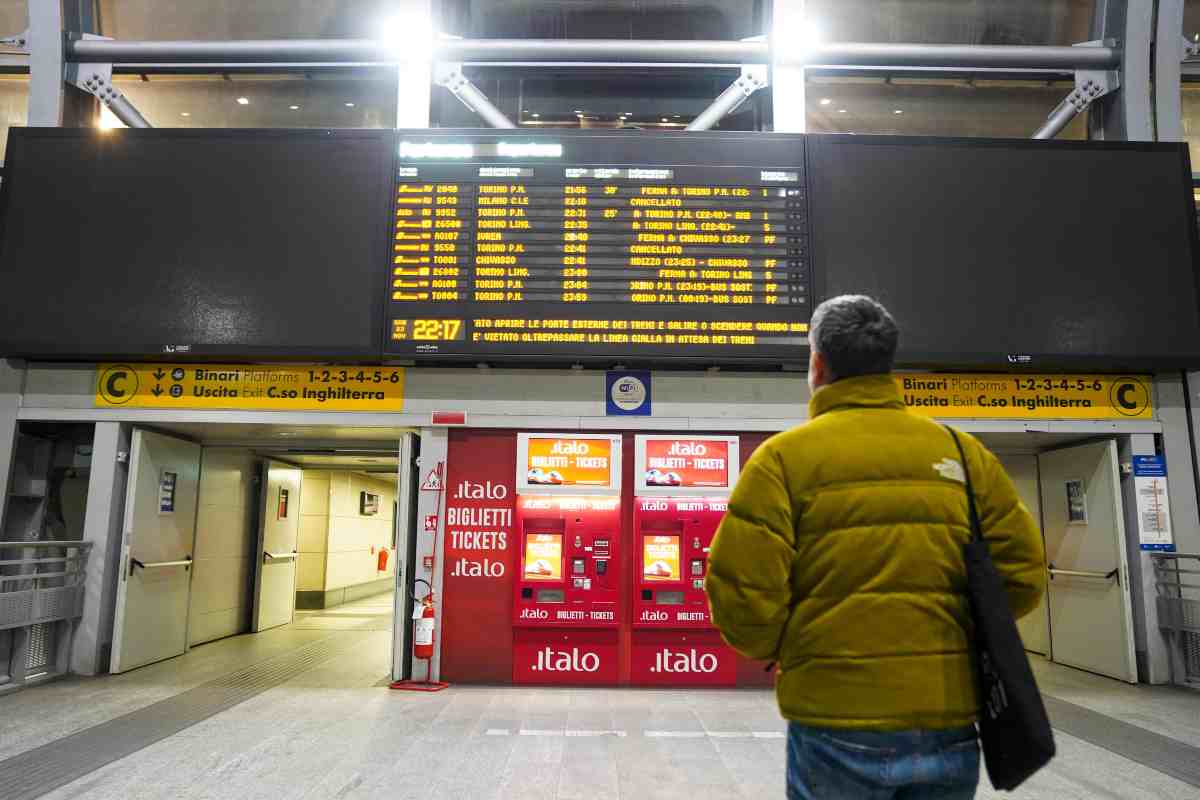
(41,582)
(1177,579)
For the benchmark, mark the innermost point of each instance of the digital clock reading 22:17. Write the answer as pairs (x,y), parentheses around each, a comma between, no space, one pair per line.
(428,330)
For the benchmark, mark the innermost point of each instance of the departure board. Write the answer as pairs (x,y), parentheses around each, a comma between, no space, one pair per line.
(621,244)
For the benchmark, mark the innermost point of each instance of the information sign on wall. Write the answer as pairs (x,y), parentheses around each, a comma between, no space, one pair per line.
(308,387)
(1153,507)
(556,462)
(1000,396)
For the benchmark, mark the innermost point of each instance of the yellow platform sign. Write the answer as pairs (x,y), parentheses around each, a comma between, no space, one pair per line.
(290,387)
(1000,396)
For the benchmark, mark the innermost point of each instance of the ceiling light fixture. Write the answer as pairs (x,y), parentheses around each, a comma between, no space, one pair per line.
(898,111)
(243,101)
(841,111)
(349,105)
(185,113)
(294,108)
(825,101)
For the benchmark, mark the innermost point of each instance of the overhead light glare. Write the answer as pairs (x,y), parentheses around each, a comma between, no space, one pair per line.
(243,101)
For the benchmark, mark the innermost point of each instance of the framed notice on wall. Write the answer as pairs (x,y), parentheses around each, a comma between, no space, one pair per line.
(368,504)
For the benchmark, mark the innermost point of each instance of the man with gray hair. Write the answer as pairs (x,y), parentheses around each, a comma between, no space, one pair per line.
(841,559)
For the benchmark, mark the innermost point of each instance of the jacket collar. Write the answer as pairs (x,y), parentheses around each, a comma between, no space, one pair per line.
(864,391)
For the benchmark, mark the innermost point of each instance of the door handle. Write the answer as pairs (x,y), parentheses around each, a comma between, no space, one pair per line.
(1075,573)
(269,556)
(134,563)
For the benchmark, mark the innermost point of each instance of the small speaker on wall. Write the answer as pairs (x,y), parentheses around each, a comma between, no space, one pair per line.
(368,504)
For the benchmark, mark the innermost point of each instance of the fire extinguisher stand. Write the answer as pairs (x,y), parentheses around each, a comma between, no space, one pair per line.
(424,617)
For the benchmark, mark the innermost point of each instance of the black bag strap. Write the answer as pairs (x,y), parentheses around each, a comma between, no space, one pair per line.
(976,527)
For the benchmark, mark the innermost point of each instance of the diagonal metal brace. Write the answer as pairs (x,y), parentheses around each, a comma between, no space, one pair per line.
(1189,50)
(96,79)
(19,42)
(1090,86)
(450,76)
(753,78)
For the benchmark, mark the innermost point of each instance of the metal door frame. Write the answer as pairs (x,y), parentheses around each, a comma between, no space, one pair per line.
(405,521)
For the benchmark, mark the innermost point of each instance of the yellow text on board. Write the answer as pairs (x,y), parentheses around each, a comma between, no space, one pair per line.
(1000,396)
(289,387)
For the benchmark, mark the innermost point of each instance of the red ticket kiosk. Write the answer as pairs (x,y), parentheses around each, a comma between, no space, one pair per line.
(682,491)
(567,578)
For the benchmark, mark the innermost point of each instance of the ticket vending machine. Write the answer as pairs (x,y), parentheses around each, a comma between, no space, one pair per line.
(567,578)
(682,491)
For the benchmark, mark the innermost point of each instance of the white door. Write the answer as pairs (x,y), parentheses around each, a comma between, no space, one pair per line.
(156,550)
(1091,617)
(1035,626)
(278,545)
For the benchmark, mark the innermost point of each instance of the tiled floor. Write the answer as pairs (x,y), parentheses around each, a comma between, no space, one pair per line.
(335,732)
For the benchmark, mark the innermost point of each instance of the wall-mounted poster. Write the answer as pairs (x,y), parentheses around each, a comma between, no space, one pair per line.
(1076,502)
(166,492)
(368,504)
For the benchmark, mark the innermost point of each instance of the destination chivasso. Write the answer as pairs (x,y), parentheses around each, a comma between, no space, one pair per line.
(989,395)
(273,385)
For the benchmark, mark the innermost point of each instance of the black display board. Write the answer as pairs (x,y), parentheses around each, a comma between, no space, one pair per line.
(586,245)
(194,243)
(994,253)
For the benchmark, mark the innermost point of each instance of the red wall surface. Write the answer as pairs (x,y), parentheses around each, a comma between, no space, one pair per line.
(480,555)
(480,496)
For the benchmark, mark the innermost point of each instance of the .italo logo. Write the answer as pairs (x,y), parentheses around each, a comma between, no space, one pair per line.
(569,448)
(653,616)
(654,505)
(549,660)
(667,660)
(480,491)
(687,449)
(534,613)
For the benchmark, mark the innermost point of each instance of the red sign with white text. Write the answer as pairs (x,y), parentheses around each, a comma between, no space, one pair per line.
(687,463)
(572,658)
(670,658)
(479,543)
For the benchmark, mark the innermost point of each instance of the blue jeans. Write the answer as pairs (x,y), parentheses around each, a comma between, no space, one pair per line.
(827,764)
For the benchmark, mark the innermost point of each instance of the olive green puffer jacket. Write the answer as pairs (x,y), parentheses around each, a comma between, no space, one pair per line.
(841,558)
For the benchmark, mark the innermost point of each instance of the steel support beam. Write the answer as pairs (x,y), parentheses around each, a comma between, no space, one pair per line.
(750,81)
(50,104)
(648,51)
(1089,87)
(451,77)
(1127,114)
(1170,49)
(47,54)
(789,83)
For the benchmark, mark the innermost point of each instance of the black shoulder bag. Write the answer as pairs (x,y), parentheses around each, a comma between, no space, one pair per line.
(1015,732)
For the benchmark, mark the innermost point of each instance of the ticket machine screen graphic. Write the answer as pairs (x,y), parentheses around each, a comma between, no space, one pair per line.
(543,557)
(660,559)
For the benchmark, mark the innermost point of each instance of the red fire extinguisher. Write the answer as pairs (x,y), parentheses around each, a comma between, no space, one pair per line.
(423,627)
(424,620)
(381,565)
